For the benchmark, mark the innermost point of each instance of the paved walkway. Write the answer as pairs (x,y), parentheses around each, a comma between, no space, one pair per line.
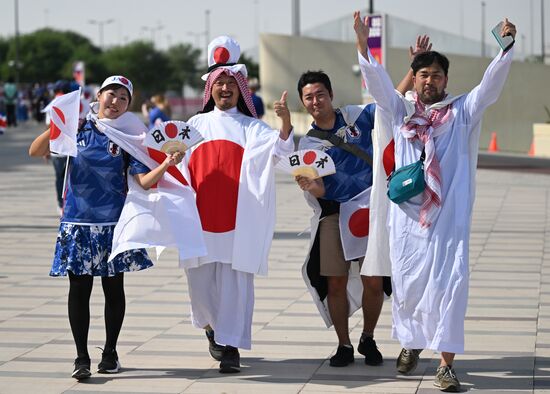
(507,326)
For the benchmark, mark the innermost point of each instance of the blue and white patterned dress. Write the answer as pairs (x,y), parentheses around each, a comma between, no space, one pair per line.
(96,190)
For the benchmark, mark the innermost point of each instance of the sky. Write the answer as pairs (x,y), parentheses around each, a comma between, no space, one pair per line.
(168,22)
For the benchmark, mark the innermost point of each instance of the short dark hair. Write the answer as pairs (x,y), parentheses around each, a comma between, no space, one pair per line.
(313,77)
(426,59)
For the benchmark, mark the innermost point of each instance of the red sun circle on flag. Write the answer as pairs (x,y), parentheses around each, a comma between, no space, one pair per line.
(221,55)
(217,184)
(55,131)
(388,159)
(309,157)
(171,130)
(359,223)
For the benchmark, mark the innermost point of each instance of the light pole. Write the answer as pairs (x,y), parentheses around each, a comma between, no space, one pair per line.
(100,24)
(542,43)
(206,33)
(16,41)
(482,29)
(295,17)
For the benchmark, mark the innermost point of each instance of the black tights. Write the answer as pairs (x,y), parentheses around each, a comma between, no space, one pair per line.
(80,290)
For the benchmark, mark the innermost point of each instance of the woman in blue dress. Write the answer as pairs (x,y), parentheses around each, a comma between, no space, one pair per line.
(95,193)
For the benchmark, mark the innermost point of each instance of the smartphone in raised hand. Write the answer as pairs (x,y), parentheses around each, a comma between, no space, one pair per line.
(504,42)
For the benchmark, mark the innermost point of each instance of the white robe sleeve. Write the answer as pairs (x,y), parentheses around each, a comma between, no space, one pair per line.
(490,87)
(284,147)
(380,86)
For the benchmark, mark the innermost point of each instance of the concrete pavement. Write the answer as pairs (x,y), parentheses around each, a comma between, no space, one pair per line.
(507,324)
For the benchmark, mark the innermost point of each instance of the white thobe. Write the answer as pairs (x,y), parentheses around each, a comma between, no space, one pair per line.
(430,266)
(232,172)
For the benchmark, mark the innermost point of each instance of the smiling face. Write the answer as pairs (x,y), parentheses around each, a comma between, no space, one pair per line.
(317,100)
(113,101)
(225,92)
(430,83)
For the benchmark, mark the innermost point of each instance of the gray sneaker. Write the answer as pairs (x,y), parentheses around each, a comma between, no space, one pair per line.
(408,360)
(446,380)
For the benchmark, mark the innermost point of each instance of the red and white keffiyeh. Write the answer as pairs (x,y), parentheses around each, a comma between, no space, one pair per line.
(422,125)
(241,82)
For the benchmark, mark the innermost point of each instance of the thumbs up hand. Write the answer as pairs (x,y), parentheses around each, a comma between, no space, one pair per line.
(281,110)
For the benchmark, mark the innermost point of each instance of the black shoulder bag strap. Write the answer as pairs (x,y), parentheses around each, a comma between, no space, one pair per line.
(340,143)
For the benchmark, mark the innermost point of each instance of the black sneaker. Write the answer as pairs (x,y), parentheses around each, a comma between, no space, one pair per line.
(82,368)
(215,349)
(408,360)
(367,347)
(109,362)
(231,360)
(343,357)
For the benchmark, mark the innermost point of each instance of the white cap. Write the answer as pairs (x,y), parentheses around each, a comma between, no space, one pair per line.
(118,80)
(222,50)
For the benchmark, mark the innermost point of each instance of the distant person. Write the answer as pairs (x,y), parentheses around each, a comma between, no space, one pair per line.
(96,191)
(40,99)
(429,233)
(10,99)
(254,86)
(157,111)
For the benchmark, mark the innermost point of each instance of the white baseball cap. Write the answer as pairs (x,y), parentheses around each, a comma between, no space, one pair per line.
(118,80)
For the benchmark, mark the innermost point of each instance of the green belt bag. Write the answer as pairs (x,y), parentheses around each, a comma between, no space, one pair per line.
(407,182)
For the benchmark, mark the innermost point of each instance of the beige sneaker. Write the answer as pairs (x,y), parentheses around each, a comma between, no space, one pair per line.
(408,360)
(446,380)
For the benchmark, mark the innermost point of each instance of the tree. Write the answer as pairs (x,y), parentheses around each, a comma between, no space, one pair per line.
(184,62)
(252,67)
(139,61)
(47,55)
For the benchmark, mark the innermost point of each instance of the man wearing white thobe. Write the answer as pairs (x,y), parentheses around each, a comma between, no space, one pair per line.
(232,173)
(429,234)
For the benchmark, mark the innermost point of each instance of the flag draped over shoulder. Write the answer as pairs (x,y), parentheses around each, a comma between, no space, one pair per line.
(354,225)
(165,216)
(377,257)
(63,112)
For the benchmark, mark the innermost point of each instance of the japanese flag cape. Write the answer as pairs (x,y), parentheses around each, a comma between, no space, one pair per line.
(372,267)
(246,244)
(160,217)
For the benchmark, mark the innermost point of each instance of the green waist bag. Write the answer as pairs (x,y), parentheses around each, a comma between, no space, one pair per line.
(407,182)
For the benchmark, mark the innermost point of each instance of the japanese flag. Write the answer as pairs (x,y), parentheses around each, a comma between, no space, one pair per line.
(311,163)
(63,112)
(173,136)
(3,123)
(354,225)
(377,259)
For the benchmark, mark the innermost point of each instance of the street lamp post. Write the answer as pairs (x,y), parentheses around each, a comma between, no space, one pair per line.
(542,43)
(100,24)
(16,41)
(482,29)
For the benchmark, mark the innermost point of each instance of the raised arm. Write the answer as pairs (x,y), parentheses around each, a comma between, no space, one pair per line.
(492,83)
(148,179)
(422,45)
(377,79)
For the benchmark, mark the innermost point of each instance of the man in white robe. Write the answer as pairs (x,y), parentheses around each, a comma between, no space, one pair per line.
(429,234)
(232,173)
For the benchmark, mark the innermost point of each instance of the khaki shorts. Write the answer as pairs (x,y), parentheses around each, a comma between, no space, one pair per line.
(333,262)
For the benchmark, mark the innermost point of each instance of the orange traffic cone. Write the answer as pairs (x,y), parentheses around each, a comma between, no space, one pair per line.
(532,149)
(493,147)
